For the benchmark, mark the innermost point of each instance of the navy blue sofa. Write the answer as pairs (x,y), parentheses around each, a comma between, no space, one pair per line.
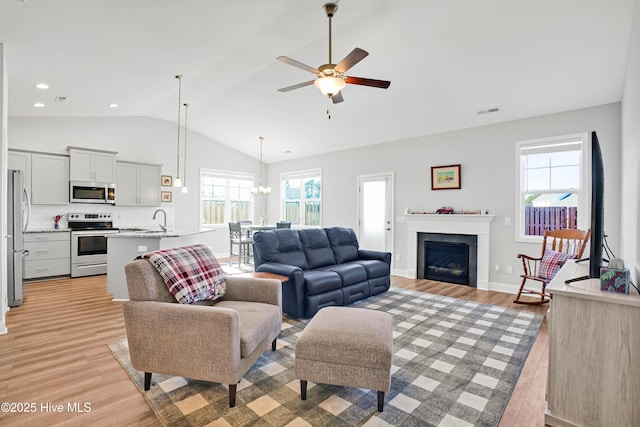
(325,267)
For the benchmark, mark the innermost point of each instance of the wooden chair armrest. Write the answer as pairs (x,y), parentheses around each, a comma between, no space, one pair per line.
(530,258)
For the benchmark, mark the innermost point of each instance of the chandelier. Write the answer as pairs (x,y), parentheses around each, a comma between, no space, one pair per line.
(260,189)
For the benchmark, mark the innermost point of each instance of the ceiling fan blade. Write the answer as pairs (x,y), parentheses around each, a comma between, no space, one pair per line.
(337,98)
(351,59)
(297,64)
(383,84)
(298,86)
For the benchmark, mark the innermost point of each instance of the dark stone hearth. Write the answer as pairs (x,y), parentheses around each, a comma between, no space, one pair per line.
(449,258)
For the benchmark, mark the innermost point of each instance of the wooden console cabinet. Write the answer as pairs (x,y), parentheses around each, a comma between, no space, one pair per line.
(594,353)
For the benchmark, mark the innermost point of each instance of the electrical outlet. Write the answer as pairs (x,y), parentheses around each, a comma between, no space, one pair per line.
(509,269)
(398,257)
(498,268)
(507,220)
(142,249)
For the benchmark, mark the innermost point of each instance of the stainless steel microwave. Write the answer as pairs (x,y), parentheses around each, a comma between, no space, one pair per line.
(92,192)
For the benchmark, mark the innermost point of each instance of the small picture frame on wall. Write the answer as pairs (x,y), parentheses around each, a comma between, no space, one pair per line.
(166,180)
(445,177)
(165,196)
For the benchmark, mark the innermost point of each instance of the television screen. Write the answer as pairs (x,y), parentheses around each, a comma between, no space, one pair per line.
(597,208)
(597,211)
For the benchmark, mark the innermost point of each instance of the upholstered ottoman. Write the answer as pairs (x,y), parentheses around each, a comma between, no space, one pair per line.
(346,346)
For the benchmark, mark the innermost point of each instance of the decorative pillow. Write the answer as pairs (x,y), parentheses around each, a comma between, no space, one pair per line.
(191,273)
(551,263)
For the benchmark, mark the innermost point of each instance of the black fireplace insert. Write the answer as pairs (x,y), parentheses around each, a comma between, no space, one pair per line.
(450,258)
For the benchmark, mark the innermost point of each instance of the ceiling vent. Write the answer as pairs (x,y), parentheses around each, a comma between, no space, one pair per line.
(61,99)
(489,110)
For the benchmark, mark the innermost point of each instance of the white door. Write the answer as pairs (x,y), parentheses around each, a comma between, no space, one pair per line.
(375,210)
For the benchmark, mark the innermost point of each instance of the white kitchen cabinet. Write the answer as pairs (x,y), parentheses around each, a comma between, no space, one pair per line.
(138,184)
(46,176)
(21,160)
(49,254)
(92,165)
(49,179)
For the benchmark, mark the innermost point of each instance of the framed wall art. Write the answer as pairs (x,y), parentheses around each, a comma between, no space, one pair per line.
(445,177)
(166,180)
(165,196)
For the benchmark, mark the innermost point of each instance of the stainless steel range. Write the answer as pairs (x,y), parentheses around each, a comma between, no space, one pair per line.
(89,233)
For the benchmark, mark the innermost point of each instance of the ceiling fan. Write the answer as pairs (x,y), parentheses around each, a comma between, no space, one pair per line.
(330,77)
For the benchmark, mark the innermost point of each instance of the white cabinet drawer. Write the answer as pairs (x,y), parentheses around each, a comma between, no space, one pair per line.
(47,237)
(48,250)
(46,267)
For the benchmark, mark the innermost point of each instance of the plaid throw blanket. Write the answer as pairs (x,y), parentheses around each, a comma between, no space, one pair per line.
(191,273)
(552,262)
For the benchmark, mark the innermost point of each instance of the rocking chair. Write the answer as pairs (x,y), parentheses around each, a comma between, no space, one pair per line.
(557,247)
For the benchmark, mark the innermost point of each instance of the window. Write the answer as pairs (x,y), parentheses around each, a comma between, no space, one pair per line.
(225,197)
(552,180)
(301,197)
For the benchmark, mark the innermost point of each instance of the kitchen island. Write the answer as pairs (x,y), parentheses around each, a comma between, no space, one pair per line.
(125,246)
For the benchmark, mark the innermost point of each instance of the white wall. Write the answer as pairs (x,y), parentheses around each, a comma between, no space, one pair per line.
(631,151)
(138,139)
(486,155)
(4,306)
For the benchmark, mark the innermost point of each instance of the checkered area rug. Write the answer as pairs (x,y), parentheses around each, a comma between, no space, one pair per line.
(455,363)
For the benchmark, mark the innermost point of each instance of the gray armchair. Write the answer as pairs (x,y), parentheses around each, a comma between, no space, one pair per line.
(215,341)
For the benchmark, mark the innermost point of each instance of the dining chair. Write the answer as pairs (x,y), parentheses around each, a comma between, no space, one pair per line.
(283,224)
(237,237)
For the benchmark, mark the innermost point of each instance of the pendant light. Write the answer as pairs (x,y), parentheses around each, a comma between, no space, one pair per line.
(260,189)
(184,170)
(177,182)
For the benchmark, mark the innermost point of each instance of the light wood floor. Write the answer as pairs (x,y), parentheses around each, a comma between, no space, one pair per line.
(56,354)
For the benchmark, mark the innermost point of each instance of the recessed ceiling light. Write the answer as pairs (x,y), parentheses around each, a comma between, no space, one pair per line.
(38,105)
(113,105)
(42,86)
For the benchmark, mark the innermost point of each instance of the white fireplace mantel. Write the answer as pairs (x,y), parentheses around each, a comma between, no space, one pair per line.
(478,225)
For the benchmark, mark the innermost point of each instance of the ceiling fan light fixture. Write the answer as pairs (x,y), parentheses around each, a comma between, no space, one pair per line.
(329,85)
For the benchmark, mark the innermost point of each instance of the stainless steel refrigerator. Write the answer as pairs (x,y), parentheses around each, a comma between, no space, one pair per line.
(18,210)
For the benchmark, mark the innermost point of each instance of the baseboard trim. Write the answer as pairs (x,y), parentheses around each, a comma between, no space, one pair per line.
(507,288)
(400,272)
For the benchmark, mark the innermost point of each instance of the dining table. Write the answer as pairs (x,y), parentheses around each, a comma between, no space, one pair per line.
(252,228)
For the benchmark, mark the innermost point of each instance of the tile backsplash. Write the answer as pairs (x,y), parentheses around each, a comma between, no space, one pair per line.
(42,216)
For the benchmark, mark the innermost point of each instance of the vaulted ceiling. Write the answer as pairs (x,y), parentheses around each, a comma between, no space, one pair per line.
(446,61)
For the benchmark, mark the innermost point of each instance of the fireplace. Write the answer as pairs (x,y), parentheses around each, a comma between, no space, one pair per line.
(451,258)
(460,224)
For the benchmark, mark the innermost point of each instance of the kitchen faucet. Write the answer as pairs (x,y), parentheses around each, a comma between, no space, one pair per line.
(164,225)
